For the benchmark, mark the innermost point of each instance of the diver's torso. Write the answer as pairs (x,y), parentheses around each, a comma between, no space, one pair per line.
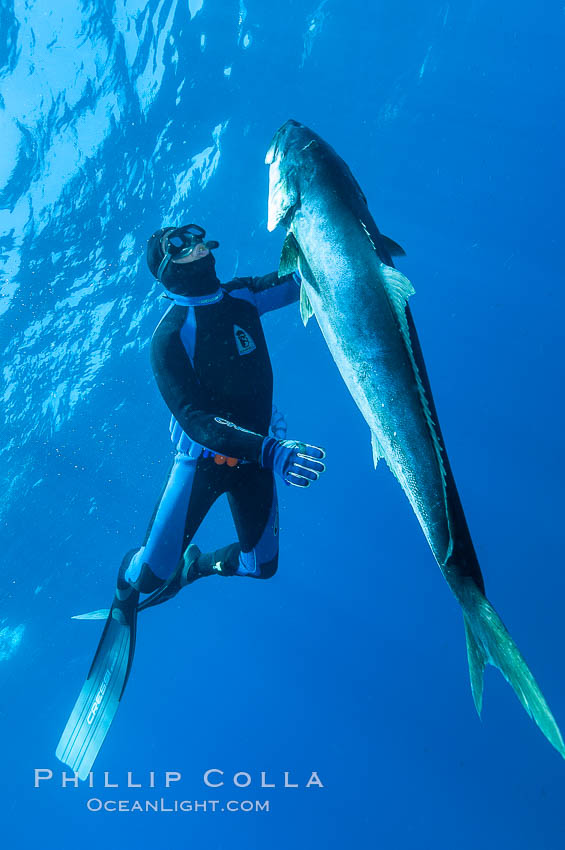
(227,347)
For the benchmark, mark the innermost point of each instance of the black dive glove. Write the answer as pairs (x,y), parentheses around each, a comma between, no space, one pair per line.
(295,462)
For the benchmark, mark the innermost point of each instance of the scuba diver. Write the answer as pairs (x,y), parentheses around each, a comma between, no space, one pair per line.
(212,367)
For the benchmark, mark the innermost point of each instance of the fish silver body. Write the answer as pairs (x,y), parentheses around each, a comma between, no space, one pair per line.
(347,275)
(361,304)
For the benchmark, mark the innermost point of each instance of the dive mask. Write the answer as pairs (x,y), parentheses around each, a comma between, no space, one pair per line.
(179,242)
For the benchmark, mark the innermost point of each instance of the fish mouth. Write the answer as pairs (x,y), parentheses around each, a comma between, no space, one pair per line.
(275,148)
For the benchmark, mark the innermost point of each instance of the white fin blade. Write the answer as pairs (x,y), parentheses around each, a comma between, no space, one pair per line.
(101,614)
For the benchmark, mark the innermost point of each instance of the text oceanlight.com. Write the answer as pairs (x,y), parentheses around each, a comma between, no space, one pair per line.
(186,806)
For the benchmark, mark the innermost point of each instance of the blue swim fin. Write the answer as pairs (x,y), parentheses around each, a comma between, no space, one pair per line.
(100,696)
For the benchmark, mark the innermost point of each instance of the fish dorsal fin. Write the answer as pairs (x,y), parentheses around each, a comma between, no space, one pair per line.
(393,248)
(399,289)
(390,246)
(289,255)
(306,311)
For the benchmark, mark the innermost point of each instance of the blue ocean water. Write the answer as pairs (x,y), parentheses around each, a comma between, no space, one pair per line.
(118,117)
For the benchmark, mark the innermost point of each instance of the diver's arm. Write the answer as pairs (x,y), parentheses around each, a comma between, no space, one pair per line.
(270,291)
(181,391)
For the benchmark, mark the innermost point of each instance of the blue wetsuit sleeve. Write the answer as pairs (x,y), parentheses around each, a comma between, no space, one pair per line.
(270,291)
(183,396)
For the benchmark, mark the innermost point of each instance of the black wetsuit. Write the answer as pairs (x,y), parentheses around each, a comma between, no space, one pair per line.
(213,370)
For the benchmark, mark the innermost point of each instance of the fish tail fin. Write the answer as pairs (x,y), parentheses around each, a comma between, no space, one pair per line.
(488,641)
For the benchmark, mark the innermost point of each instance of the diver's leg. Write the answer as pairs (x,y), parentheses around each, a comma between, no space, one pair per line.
(253,501)
(190,490)
(254,507)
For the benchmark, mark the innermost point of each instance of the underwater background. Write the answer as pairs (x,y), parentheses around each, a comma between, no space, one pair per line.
(119,117)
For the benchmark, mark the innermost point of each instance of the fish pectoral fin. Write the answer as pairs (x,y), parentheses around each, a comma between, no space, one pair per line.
(292,258)
(306,311)
(306,272)
(378,451)
(393,248)
(289,255)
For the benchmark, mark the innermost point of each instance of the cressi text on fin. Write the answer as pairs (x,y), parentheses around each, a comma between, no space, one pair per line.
(100,696)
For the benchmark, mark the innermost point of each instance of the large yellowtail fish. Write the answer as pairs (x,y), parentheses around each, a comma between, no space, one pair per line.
(361,304)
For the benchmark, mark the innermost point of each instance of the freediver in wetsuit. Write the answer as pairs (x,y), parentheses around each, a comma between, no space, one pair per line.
(212,367)
(211,363)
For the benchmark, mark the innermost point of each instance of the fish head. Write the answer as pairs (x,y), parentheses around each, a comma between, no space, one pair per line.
(291,136)
(285,167)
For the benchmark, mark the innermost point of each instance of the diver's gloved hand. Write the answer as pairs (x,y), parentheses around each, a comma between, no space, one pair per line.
(296,463)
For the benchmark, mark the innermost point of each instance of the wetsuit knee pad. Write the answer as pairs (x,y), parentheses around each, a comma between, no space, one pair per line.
(268,569)
(146,581)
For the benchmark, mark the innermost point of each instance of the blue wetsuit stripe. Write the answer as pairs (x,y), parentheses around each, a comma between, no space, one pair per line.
(188,334)
(165,541)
